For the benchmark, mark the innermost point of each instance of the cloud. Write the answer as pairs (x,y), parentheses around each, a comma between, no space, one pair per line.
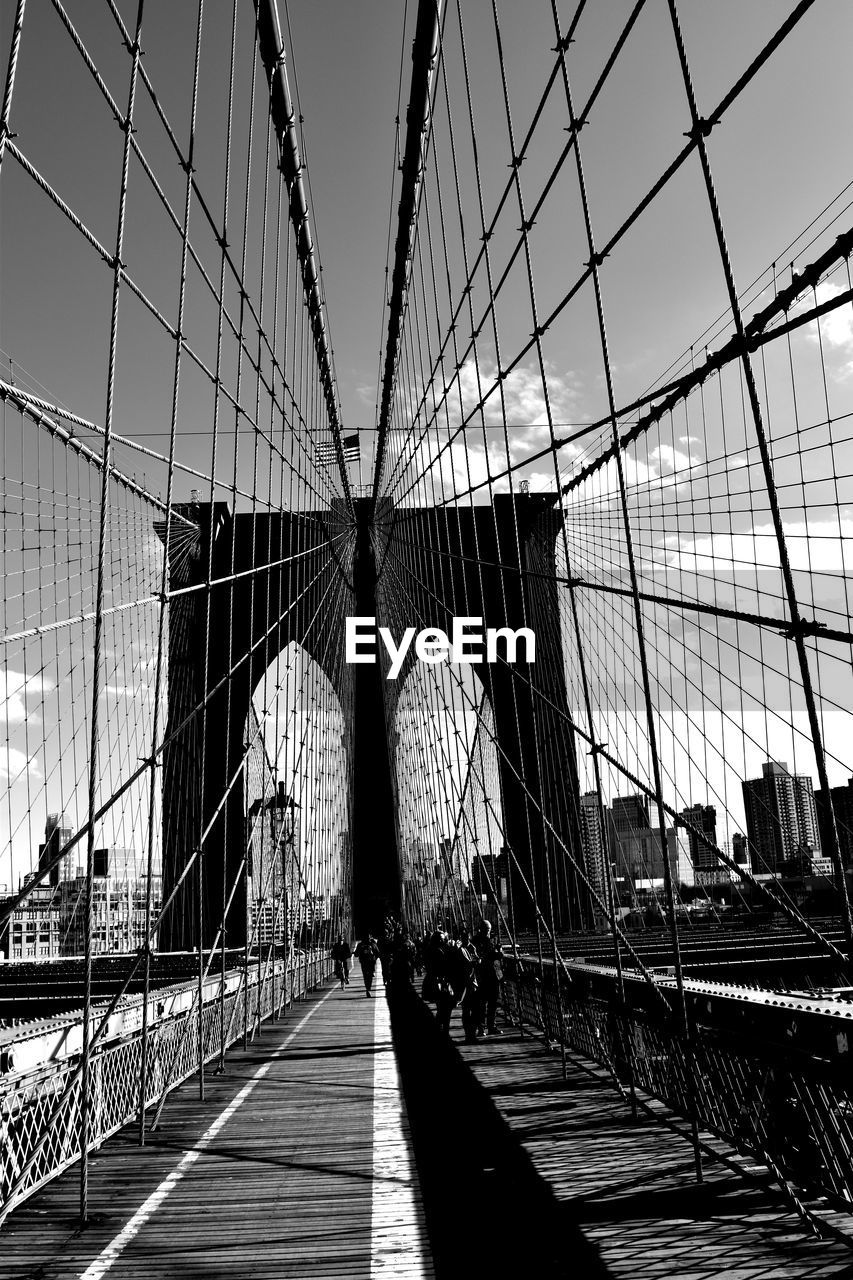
(519,403)
(661,469)
(540,481)
(836,328)
(14,764)
(667,460)
(813,545)
(141,691)
(524,404)
(15,689)
(151,554)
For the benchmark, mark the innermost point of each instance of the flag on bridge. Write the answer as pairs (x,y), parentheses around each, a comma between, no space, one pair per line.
(326,449)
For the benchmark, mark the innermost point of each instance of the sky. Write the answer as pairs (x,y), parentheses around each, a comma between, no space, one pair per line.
(780,157)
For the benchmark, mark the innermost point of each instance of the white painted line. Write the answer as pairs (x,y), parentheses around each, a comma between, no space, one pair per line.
(398,1237)
(134,1225)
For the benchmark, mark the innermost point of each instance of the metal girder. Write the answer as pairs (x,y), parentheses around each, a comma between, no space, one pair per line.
(271,48)
(816,1025)
(418,123)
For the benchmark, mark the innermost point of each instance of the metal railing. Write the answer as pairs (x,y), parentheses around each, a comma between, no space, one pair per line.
(40,1113)
(768,1073)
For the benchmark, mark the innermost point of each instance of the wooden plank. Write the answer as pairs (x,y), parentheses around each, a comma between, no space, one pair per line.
(284,1187)
(630,1188)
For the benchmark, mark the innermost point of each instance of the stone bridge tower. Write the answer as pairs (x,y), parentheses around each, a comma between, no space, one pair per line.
(496,562)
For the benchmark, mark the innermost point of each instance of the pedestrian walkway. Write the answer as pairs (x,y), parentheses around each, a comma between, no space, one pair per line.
(627,1189)
(297,1164)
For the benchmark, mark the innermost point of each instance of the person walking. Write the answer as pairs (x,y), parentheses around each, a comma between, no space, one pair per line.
(489,977)
(367,953)
(467,987)
(341,954)
(438,988)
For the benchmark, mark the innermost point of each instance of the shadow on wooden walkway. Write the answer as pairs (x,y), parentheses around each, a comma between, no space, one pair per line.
(297,1164)
(553,1178)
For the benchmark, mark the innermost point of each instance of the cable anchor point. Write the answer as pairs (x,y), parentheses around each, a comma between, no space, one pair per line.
(701,128)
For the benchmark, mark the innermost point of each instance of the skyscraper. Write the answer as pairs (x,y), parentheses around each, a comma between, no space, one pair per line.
(55,837)
(638,852)
(781,816)
(592,842)
(702,817)
(681,864)
(842,803)
(740,850)
(630,815)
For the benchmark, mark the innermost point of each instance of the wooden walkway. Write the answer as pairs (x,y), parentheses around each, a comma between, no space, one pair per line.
(297,1164)
(625,1192)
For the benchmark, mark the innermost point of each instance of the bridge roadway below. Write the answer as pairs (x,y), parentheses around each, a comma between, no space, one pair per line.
(328,1149)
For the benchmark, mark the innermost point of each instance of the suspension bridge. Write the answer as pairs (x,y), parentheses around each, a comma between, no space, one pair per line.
(526,605)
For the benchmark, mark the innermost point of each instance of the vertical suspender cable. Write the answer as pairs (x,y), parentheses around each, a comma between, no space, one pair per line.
(699,132)
(86,1083)
(424,58)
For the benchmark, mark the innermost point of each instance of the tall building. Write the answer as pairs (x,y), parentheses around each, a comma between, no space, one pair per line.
(51,921)
(33,929)
(678,852)
(56,836)
(703,818)
(842,803)
(593,842)
(630,815)
(637,852)
(118,912)
(489,873)
(740,851)
(450,856)
(781,816)
(737,849)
